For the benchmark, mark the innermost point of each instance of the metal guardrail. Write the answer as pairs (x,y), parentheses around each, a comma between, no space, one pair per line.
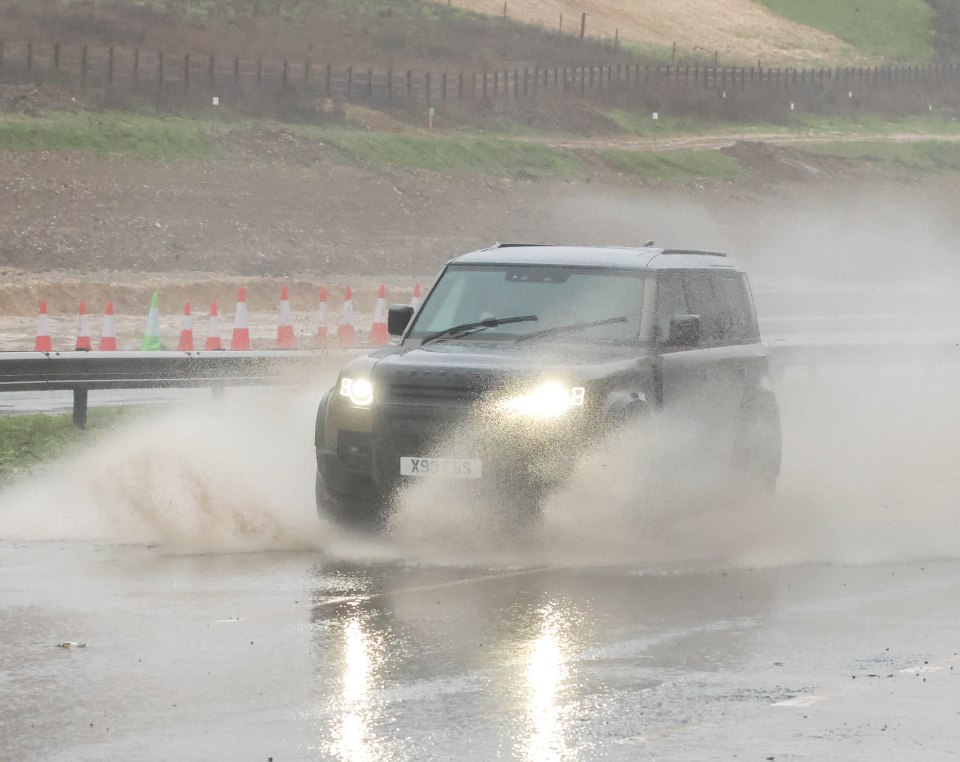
(81,372)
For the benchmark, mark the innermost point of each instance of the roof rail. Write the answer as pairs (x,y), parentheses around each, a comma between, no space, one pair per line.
(694,251)
(499,245)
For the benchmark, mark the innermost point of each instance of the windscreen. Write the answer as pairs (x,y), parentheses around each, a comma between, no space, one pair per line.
(560,297)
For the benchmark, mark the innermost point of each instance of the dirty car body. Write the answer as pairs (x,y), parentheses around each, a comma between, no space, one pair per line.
(522,356)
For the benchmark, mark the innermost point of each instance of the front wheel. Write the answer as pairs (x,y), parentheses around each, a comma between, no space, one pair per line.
(359,507)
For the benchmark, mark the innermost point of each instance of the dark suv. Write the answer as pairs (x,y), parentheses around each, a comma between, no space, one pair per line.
(522,356)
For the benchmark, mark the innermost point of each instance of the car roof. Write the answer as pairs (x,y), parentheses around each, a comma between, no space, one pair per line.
(614,257)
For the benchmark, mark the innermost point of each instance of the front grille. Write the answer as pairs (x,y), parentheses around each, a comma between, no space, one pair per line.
(433,394)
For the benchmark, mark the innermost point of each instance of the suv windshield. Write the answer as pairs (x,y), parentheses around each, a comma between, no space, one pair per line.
(559,297)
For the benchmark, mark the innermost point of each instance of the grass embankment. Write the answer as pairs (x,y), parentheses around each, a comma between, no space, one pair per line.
(455,155)
(139,135)
(928,157)
(27,440)
(643,125)
(897,30)
(674,166)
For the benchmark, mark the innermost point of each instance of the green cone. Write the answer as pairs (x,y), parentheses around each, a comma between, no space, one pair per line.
(151,337)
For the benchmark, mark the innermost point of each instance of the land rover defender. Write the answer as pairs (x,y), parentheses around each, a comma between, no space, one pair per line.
(523,356)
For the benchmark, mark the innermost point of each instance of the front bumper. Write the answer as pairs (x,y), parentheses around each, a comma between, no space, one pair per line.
(516,453)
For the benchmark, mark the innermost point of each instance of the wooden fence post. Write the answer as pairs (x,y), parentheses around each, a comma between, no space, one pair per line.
(211,71)
(159,71)
(443,86)
(484,85)
(516,82)
(236,69)
(369,83)
(259,71)
(525,74)
(30,55)
(306,70)
(136,67)
(426,86)
(328,84)
(285,77)
(110,66)
(83,68)
(460,86)
(390,85)
(409,85)
(1,55)
(350,83)
(186,72)
(56,55)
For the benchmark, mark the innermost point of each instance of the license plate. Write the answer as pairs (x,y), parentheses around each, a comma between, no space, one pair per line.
(452,468)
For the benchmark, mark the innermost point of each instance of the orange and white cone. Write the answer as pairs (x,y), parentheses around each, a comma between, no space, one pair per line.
(83,329)
(417,298)
(213,330)
(43,341)
(378,330)
(346,333)
(186,330)
(285,336)
(241,328)
(322,333)
(108,331)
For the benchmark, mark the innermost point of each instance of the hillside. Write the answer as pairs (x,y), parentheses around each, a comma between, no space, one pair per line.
(739,30)
(473,34)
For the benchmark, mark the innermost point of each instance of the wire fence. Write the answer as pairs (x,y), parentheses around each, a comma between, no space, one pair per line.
(126,77)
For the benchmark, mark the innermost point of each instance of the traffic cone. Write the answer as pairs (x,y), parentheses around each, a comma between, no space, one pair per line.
(213,330)
(43,341)
(378,331)
(241,329)
(108,331)
(151,336)
(345,331)
(322,333)
(83,329)
(417,298)
(285,336)
(186,330)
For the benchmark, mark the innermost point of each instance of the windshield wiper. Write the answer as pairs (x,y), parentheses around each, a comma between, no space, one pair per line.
(479,325)
(570,328)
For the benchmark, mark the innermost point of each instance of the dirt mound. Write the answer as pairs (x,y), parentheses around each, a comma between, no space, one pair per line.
(33,100)
(739,30)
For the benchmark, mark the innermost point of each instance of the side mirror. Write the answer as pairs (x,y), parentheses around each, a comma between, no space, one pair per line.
(398,317)
(686,332)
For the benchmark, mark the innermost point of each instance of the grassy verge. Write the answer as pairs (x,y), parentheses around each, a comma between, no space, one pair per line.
(455,155)
(898,30)
(109,132)
(634,123)
(27,440)
(673,166)
(928,157)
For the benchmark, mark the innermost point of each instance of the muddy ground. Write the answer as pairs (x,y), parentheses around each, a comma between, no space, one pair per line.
(278,209)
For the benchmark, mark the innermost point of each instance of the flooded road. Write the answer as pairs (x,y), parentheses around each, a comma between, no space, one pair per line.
(221,619)
(299,656)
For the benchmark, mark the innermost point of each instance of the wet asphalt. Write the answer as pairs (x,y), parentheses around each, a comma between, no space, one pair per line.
(294,656)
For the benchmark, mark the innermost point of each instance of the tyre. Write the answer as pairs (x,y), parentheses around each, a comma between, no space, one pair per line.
(354,505)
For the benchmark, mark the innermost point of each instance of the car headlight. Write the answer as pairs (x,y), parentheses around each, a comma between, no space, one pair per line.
(358,390)
(548,401)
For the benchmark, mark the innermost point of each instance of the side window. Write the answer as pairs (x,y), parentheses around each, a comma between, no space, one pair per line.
(741,322)
(671,301)
(704,300)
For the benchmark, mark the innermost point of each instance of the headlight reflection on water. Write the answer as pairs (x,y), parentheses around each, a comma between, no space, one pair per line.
(547,671)
(353,736)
